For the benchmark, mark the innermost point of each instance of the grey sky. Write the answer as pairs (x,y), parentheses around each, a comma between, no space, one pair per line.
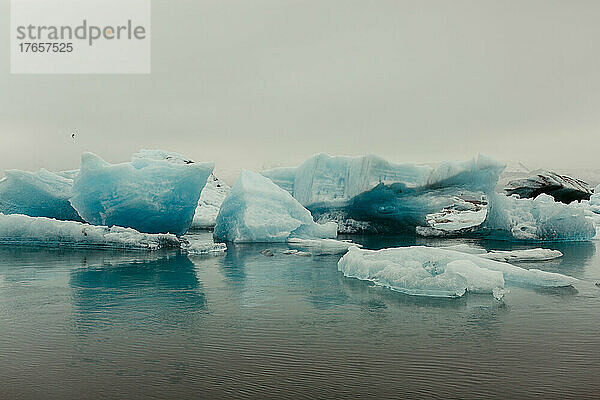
(255,83)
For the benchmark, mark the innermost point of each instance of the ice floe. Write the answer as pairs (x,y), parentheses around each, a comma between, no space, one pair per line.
(41,231)
(429,271)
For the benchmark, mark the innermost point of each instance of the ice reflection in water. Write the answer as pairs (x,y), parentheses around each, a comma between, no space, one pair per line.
(139,325)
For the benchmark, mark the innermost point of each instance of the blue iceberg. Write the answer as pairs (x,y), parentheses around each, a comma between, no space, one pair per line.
(371,194)
(38,194)
(257,210)
(157,192)
(539,219)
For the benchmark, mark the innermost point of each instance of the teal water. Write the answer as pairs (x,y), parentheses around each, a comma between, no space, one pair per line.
(107,324)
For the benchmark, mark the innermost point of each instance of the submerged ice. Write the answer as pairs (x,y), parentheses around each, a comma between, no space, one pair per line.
(257,210)
(439,272)
(157,192)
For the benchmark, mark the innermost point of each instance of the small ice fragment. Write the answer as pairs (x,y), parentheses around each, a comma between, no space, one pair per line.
(267,252)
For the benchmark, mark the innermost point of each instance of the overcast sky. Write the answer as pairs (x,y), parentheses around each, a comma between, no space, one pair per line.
(255,83)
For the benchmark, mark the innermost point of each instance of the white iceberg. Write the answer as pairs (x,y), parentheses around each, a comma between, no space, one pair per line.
(539,219)
(38,194)
(378,195)
(157,192)
(257,210)
(424,271)
(40,231)
(213,195)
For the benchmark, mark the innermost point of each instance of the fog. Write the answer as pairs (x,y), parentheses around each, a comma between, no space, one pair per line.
(254,84)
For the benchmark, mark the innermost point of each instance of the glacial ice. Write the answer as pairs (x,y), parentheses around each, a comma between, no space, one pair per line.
(19,229)
(157,192)
(213,195)
(561,187)
(379,195)
(193,246)
(322,246)
(257,210)
(429,271)
(38,194)
(539,219)
(527,255)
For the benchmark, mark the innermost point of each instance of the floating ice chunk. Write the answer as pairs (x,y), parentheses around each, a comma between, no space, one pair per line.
(561,187)
(385,195)
(40,231)
(213,195)
(257,210)
(38,194)
(523,255)
(509,256)
(423,270)
(193,246)
(408,276)
(157,192)
(322,246)
(539,219)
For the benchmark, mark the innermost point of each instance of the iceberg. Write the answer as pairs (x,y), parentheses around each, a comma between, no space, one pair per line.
(213,195)
(22,230)
(429,271)
(539,219)
(561,187)
(38,194)
(370,193)
(257,210)
(157,192)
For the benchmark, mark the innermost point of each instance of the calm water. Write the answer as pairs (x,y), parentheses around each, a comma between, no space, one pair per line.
(102,324)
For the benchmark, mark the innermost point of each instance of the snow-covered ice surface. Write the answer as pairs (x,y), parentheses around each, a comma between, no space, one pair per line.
(38,194)
(420,270)
(40,231)
(257,210)
(157,192)
(539,219)
(214,193)
(561,187)
(385,195)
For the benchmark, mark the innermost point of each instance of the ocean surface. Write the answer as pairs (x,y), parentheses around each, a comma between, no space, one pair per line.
(136,325)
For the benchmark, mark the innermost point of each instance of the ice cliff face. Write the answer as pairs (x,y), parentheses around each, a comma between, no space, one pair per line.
(257,210)
(157,192)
